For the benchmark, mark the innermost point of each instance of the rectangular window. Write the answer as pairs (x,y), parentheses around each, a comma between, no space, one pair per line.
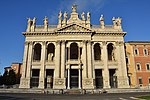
(136,52)
(140,80)
(145,52)
(138,66)
(148,66)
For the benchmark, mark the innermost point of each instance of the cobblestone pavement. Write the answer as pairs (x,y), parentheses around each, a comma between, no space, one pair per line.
(107,96)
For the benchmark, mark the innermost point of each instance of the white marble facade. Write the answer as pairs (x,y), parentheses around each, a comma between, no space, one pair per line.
(74,54)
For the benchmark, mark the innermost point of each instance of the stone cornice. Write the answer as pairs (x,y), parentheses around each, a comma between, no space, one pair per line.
(74,32)
(111,33)
(38,33)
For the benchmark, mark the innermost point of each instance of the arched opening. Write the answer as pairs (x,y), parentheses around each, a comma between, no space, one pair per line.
(97,52)
(50,52)
(110,51)
(37,52)
(74,51)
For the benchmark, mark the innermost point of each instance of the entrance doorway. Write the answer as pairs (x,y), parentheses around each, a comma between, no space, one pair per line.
(74,78)
(35,78)
(98,78)
(113,78)
(49,78)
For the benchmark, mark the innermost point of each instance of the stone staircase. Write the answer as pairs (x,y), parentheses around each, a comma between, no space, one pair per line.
(72,91)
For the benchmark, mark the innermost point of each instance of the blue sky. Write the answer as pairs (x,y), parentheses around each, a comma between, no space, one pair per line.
(13,14)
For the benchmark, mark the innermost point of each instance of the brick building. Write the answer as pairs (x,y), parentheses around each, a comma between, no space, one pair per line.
(138,63)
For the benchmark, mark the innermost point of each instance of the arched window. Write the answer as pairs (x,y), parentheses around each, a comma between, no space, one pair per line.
(37,52)
(74,51)
(110,52)
(97,52)
(50,52)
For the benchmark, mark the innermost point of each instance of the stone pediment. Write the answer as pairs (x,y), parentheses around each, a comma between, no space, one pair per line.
(73,28)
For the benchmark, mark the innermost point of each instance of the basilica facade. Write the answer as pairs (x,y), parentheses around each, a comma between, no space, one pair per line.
(74,54)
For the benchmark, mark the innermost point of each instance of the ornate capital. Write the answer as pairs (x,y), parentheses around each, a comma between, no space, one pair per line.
(30,42)
(89,42)
(84,41)
(119,43)
(58,42)
(44,42)
(104,42)
(63,41)
(26,43)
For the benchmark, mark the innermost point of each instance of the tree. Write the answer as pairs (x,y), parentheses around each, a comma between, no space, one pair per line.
(9,78)
(1,81)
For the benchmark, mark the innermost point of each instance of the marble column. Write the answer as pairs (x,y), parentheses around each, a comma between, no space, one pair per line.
(89,56)
(68,86)
(106,83)
(57,61)
(85,69)
(79,77)
(29,64)
(42,68)
(25,58)
(69,53)
(63,63)
(63,56)
(125,82)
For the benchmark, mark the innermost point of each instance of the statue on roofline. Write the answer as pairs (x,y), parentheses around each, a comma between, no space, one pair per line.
(74,8)
(82,16)
(117,21)
(45,21)
(29,24)
(60,15)
(65,15)
(88,16)
(34,21)
(102,20)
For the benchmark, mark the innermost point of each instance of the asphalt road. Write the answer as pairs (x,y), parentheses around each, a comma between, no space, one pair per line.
(107,96)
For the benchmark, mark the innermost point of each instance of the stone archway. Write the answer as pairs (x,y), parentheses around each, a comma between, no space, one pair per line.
(74,51)
(37,52)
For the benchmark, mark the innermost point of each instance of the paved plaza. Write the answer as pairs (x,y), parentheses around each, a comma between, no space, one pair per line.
(105,96)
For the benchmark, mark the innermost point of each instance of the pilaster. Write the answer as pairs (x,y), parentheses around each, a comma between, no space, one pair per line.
(25,58)
(89,56)
(63,61)
(59,83)
(125,82)
(29,65)
(85,69)
(106,83)
(42,68)
(88,83)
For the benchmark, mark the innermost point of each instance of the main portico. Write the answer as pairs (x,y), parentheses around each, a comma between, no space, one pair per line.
(74,54)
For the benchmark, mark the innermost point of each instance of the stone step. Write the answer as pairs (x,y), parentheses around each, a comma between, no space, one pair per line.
(72,91)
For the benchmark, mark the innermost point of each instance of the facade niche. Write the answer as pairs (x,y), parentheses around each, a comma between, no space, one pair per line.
(110,52)
(37,52)
(50,52)
(97,52)
(74,51)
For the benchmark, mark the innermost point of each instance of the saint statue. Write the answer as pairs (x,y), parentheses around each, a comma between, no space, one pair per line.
(118,21)
(29,24)
(74,7)
(65,15)
(102,20)
(88,16)
(45,21)
(82,16)
(60,15)
(34,21)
